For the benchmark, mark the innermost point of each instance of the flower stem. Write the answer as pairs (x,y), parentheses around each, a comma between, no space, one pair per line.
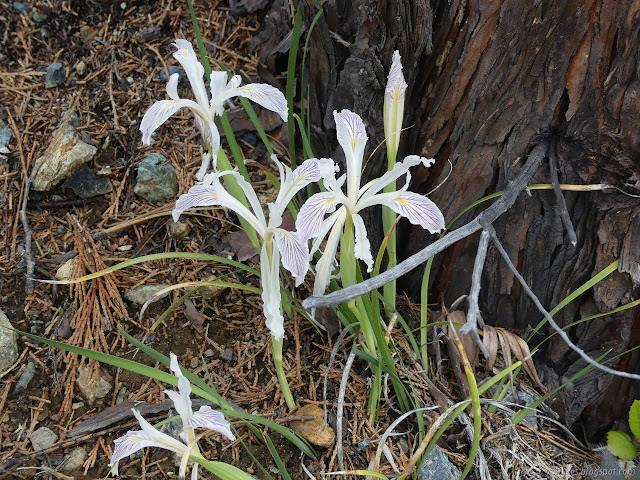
(282,377)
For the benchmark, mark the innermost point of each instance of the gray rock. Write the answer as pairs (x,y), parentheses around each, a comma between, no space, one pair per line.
(25,378)
(438,467)
(39,16)
(8,343)
(5,134)
(21,7)
(55,75)
(172,70)
(156,182)
(524,398)
(43,438)
(227,355)
(85,184)
(65,153)
(74,459)
(141,294)
(93,383)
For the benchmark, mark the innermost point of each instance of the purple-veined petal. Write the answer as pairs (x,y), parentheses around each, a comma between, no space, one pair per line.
(265,95)
(362,248)
(294,253)
(418,209)
(311,170)
(311,215)
(197,196)
(156,116)
(139,439)
(270,280)
(324,267)
(211,419)
(394,94)
(352,137)
(194,70)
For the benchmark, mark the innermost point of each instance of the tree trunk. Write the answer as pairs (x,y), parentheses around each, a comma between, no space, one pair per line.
(487,80)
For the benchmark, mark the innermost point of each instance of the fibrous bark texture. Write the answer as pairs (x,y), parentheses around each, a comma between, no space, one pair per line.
(486,80)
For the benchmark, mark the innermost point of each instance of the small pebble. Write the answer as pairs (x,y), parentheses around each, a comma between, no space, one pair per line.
(172,70)
(21,7)
(363,444)
(25,378)
(61,230)
(178,230)
(150,339)
(208,353)
(39,16)
(250,138)
(130,79)
(81,68)
(194,362)
(5,299)
(55,75)
(43,438)
(227,355)
(74,459)
(5,134)
(44,32)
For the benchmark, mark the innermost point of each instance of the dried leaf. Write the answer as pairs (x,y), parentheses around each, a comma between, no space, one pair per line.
(240,245)
(522,353)
(193,315)
(490,340)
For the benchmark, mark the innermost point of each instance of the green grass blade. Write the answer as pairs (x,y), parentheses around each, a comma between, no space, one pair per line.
(579,291)
(291,77)
(157,256)
(276,458)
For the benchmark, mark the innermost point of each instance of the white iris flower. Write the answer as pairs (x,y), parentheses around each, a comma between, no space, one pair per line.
(149,436)
(205,110)
(311,221)
(278,244)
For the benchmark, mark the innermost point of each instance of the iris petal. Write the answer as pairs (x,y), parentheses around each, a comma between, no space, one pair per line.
(311,215)
(294,253)
(156,116)
(418,209)
(211,419)
(265,95)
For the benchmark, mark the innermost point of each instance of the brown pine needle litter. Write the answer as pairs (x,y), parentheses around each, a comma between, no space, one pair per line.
(123,47)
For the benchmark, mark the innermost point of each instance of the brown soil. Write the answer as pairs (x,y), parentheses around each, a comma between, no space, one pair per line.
(124,46)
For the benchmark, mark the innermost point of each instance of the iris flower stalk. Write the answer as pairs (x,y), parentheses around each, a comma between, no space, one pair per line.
(278,245)
(149,436)
(393,112)
(345,226)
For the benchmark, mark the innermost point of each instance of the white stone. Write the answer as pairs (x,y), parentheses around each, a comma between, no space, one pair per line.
(8,343)
(65,272)
(66,152)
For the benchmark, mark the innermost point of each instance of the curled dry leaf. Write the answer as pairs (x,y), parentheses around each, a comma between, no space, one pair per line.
(490,340)
(510,343)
